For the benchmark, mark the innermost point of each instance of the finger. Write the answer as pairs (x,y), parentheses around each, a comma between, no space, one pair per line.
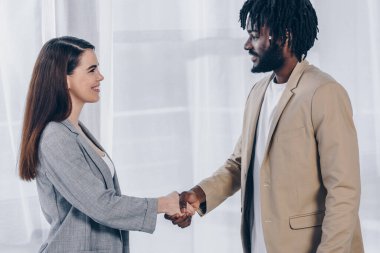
(179,220)
(185,223)
(169,217)
(183,202)
(190,209)
(174,216)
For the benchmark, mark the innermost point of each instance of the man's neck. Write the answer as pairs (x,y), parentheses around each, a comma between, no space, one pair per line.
(282,74)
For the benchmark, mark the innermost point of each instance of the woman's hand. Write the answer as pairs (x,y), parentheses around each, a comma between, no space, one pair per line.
(169,205)
(194,198)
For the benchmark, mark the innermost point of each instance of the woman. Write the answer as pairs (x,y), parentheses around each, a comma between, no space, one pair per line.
(77,184)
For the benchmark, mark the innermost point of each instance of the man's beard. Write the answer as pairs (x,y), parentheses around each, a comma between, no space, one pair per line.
(270,60)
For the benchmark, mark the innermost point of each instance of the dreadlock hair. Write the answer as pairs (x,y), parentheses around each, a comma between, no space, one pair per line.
(294,17)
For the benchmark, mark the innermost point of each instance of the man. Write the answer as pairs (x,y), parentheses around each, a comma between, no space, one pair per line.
(296,161)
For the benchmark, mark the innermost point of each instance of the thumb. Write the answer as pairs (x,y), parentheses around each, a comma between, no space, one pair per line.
(183,199)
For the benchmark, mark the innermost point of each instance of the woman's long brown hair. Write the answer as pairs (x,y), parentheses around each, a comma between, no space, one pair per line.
(48,97)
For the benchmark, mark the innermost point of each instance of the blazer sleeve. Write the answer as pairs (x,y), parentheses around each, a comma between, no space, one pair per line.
(64,164)
(224,182)
(339,162)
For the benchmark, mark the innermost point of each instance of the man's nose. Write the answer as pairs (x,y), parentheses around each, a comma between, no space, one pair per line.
(248,44)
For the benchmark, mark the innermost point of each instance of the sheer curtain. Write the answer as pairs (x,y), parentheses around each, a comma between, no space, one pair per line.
(176,79)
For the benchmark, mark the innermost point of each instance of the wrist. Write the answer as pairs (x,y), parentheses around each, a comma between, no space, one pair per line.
(201,195)
(161,205)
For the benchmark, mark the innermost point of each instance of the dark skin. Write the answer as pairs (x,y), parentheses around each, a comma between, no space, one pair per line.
(258,43)
(194,197)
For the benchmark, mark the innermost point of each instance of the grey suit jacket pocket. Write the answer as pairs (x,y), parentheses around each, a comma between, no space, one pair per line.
(306,220)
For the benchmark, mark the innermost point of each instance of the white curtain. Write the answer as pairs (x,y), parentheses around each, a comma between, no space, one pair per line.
(176,79)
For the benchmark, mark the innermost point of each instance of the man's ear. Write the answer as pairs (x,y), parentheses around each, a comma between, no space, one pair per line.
(288,39)
(288,36)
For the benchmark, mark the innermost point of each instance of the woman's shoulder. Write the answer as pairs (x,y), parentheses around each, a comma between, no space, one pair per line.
(54,127)
(56,132)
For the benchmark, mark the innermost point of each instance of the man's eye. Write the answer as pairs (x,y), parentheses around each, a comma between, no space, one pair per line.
(92,70)
(254,37)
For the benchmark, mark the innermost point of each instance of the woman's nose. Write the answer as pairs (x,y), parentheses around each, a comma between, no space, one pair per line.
(100,77)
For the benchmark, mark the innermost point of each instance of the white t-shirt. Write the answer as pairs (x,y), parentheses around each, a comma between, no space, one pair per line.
(268,108)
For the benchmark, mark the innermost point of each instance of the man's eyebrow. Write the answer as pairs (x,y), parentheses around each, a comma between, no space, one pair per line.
(252,30)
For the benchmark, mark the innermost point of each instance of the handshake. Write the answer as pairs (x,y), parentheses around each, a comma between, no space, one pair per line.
(179,208)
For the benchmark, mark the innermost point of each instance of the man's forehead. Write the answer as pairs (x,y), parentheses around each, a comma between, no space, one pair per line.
(250,26)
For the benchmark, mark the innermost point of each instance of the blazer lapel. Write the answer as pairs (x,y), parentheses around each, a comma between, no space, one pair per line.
(286,96)
(98,161)
(116,184)
(252,116)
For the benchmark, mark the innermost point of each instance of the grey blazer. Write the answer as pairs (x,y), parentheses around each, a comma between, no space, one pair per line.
(81,200)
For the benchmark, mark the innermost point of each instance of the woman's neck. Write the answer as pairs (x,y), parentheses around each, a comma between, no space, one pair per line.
(76,109)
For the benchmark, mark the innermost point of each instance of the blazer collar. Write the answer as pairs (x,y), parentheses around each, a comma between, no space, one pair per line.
(296,74)
(285,98)
(98,161)
(70,126)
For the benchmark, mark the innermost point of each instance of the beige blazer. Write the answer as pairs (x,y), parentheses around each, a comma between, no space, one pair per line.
(310,181)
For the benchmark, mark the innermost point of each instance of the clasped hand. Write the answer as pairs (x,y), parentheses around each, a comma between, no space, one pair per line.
(175,208)
(188,203)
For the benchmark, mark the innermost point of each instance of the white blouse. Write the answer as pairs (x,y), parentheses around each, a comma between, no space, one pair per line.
(109,163)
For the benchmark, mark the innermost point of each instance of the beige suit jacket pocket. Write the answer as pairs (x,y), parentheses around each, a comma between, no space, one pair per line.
(286,135)
(306,220)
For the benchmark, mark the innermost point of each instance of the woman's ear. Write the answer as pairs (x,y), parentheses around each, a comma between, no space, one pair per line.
(68,79)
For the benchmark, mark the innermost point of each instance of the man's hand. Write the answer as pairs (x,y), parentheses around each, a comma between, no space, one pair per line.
(169,205)
(194,197)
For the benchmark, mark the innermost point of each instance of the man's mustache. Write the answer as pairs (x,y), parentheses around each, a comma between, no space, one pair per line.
(253,53)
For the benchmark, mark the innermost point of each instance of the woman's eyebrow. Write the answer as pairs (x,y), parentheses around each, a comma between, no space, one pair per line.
(92,66)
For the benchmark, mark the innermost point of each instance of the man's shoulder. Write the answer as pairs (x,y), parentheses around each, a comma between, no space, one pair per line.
(314,80)
(314,76)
